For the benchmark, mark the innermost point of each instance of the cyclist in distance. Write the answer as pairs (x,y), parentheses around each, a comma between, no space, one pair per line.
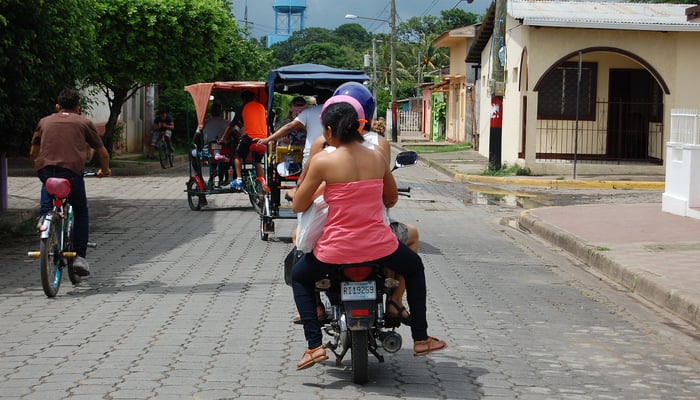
(162,123)
(59,149)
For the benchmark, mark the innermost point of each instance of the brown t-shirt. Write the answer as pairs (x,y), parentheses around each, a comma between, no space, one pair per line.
(63,139)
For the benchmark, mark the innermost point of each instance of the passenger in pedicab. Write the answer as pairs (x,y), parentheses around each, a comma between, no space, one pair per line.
(253,118)
(213,130)
(296,137)
(288,149)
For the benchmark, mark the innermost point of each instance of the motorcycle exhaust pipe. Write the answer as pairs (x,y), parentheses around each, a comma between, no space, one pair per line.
(391,341)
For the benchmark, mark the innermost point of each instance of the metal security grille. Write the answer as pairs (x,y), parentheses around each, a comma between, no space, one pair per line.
(409,121)
(618,132)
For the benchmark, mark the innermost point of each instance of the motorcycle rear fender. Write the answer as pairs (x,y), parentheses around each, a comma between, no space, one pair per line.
(364,322)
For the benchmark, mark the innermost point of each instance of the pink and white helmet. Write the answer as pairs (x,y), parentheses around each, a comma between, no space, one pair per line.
(342,98)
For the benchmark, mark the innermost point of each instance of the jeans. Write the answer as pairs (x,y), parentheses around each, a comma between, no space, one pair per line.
(403,261)
(76,197)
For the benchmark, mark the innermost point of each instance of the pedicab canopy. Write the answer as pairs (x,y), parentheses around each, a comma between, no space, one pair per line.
(308,79)
(201,92)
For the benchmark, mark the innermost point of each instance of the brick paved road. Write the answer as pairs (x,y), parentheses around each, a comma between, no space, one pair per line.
(192,305)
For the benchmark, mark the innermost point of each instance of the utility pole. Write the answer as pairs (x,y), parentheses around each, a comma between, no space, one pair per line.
(497,85)
(374,73)
(394,113)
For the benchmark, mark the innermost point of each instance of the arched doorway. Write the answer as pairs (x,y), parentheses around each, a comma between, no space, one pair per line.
(601,104)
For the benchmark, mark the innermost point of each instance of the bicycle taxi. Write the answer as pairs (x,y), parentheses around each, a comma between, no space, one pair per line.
(207,158)
(283,163)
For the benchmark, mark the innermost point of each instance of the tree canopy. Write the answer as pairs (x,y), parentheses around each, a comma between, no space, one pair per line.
(45,46)
(142,42)
(117,46)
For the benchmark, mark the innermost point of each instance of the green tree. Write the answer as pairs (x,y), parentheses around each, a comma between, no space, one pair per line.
(353,35)
(142,42)
(323,53)
(284,51)
(417,34)
(45,46)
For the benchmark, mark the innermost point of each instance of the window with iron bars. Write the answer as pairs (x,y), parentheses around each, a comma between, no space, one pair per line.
(557,93)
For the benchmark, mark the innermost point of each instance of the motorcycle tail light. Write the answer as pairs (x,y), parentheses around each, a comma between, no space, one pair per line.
(357,274)
(360,313)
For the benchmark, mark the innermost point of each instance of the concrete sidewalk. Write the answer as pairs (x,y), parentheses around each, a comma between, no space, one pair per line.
(650,252)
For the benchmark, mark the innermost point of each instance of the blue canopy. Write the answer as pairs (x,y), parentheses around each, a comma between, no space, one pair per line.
(308,79)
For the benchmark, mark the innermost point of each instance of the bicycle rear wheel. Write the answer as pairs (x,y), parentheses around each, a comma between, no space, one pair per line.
(195,198)
(50,267)
(256,193)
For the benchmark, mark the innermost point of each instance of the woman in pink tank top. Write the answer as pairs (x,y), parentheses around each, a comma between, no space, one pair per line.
(358,184)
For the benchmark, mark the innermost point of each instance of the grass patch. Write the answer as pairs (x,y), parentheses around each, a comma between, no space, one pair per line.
(447,148)
(506,171)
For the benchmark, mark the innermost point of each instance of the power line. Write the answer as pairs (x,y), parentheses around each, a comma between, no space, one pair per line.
(430,7)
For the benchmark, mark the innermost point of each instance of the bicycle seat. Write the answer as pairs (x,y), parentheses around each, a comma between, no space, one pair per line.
(258,148)
(58,187)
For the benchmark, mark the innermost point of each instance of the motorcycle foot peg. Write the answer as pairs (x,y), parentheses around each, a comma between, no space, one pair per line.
(391,341)
(391,283)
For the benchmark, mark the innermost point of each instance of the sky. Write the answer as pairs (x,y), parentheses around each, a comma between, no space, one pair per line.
(331,13)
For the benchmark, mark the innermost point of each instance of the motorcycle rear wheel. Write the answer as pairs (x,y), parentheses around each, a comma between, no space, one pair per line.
(359,356)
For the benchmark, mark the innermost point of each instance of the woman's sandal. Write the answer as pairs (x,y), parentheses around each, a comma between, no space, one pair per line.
(311,357)
(400,315)
(423,347)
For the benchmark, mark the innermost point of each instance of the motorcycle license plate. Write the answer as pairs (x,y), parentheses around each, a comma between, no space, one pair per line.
(365,290)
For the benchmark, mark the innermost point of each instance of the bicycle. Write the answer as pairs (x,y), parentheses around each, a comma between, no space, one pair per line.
(56,250)
(166,155)
(253,185)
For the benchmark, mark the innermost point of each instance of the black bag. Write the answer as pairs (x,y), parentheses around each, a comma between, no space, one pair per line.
(289,262)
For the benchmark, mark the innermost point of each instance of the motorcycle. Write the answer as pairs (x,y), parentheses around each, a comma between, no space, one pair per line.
(355,297)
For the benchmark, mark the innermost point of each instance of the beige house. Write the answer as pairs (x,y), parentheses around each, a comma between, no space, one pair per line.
(586,82)
(458,91)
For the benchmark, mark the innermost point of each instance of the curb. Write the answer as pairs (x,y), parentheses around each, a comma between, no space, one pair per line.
(562,183)
(551,183)
(679,302)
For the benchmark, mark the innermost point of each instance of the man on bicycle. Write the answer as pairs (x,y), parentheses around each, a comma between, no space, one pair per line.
(163,124)
(59,149)
(254,118)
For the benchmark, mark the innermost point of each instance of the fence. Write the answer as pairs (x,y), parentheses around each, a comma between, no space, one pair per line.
(409,121)
(684,126)
(616,132)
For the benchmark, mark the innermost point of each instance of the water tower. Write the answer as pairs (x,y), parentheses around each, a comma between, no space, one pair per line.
(289,17)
